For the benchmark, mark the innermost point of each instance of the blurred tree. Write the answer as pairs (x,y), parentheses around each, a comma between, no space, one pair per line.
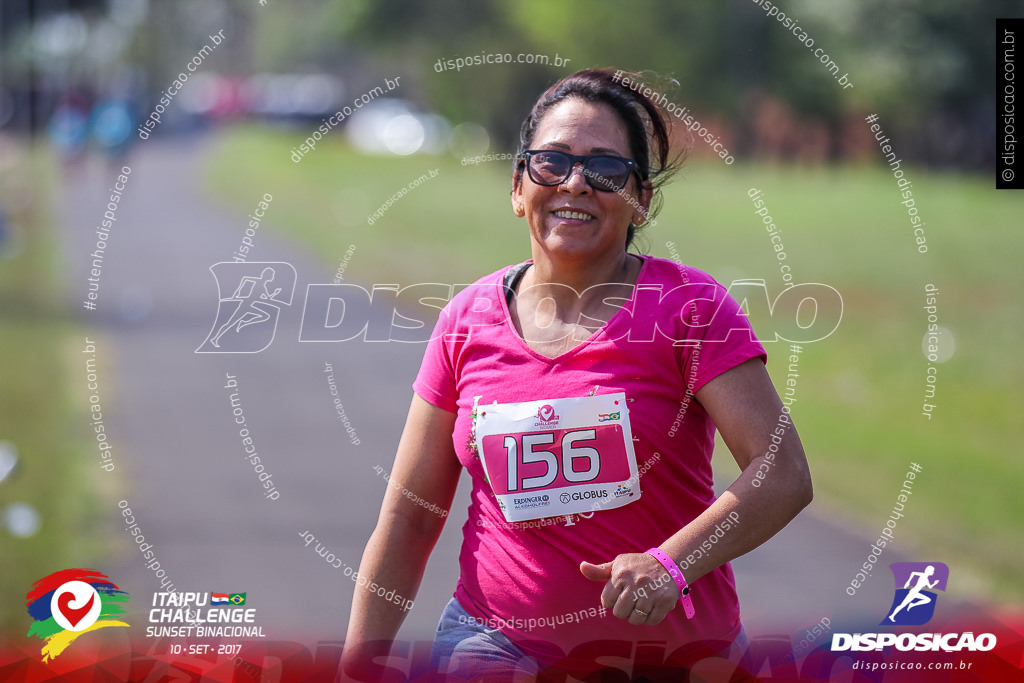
(927,66)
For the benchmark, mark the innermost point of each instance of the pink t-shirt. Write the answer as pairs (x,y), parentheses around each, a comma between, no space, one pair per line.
(512,573)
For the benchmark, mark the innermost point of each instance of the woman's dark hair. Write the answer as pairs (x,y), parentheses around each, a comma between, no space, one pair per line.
(648,126)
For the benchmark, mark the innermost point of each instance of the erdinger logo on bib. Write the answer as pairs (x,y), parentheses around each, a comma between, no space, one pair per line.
(557,457)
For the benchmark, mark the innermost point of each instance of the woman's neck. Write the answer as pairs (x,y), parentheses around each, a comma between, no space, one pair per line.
(567,283)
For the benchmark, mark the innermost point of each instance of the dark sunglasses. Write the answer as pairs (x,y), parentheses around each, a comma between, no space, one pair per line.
(604,172)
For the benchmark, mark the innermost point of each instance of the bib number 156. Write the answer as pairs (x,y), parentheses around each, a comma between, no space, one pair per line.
(579,463)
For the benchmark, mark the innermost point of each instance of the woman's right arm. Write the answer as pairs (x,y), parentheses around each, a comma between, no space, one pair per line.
(397,552)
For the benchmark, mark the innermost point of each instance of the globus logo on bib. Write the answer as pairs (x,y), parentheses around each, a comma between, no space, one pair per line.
(583,495)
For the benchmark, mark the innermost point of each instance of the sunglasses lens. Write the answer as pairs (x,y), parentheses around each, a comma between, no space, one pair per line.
(607,173)
(549,168)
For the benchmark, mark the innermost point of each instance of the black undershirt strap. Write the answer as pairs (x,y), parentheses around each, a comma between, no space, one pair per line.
(512,278)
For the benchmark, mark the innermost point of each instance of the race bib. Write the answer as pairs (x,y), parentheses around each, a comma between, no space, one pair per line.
(558,457)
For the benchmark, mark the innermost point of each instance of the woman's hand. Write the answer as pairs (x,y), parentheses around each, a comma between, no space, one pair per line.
(637,588)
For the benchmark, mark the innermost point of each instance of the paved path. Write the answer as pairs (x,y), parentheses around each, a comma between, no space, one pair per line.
(179,457)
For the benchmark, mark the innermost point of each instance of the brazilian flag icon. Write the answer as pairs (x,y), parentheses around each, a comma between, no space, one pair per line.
(237,598)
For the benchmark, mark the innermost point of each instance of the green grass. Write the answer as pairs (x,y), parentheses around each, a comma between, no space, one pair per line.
(38,405)
(860,391)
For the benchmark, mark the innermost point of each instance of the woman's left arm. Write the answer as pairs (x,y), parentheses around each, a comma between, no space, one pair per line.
(774,485)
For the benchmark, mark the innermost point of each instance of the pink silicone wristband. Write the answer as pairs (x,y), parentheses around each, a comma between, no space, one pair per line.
(677,575)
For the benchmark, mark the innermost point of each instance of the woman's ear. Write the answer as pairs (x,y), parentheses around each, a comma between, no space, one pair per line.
(644,203)
(517,192)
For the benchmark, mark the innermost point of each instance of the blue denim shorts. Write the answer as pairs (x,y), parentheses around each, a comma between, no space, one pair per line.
(465,648)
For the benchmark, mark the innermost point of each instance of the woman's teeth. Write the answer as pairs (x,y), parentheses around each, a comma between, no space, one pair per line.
(574,215)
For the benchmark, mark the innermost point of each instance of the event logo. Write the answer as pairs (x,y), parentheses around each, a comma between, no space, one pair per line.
(914,603)
(546,414)
(246,321)
(68,603)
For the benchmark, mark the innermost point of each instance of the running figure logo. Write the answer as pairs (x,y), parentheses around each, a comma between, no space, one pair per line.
(247,319)
(914,603)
